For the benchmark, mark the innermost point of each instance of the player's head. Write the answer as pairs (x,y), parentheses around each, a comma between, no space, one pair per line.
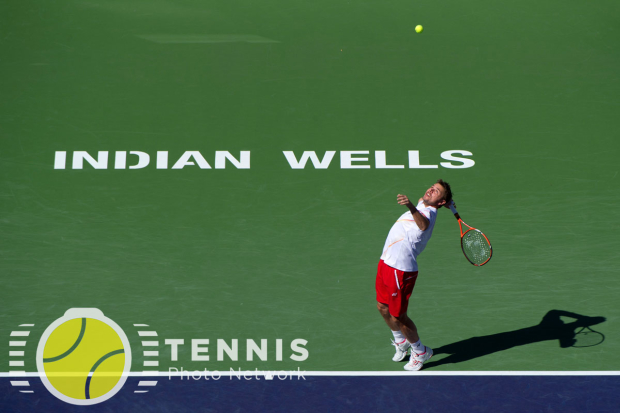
(438,195)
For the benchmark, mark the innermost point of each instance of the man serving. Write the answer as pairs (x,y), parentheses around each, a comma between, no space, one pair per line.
(398,270)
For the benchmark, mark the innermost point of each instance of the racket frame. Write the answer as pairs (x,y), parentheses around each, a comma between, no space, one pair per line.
(461,223)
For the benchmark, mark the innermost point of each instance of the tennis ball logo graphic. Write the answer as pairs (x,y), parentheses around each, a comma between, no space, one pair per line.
(84,357)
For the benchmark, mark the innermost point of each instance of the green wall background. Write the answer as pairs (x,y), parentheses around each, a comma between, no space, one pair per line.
(530,88)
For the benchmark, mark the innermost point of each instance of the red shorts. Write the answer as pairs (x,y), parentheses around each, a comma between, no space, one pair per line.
(394,287)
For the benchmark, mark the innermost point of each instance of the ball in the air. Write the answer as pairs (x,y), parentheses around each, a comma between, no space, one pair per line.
(419,28)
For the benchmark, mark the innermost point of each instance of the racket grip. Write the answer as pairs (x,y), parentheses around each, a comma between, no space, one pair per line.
(453,209)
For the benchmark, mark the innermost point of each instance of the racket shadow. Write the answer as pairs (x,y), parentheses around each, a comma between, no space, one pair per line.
(550,328)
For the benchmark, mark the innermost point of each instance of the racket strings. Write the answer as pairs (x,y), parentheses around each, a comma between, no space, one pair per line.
(476,247)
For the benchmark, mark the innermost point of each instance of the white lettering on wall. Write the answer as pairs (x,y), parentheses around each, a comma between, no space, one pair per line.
(414,161)
(347,159)
(184,160)
(456,159)
(449,156)
(301,164)
(243,163)
(381,162)
(100,163)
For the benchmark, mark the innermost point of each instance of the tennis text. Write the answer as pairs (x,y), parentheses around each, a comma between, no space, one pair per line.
(230,349)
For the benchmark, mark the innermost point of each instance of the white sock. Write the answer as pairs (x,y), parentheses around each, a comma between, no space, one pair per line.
(417,347)
(399,338)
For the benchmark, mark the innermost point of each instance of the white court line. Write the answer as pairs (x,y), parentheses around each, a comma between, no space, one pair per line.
(20,333)
(147,383)
(150,343)
(16,363)
(16,353)
(17,343)
(141,391)
(140,325)
(20,383)
(26,391)
(26,325)
(151,354)
(151,363)
(455,373)
(357,373)
(147,333)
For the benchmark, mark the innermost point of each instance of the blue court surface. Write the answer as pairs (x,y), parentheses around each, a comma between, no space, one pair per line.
(424,393)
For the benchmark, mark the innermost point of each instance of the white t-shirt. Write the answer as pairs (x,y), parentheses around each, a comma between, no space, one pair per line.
(406,241)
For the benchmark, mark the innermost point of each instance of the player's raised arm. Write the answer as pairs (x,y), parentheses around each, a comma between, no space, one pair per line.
(420,220)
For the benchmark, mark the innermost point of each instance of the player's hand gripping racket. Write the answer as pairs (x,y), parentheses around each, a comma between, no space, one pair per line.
(476,246)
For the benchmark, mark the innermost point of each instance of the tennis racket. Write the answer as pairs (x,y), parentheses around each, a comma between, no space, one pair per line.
(586,337)
(475,245)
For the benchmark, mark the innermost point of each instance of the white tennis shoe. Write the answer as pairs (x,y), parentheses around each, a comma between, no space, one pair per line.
(417,360)
(401,350)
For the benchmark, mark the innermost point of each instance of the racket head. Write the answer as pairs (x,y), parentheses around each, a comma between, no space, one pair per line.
(476,247)
(586,337)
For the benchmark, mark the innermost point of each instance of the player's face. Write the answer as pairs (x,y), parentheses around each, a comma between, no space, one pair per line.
(434,195)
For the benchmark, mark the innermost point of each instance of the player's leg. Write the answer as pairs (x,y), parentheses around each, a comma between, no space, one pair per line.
(404,283)
(392,322)
(398,309)
(408,328)
(410,332)
(385,289)
(419,352)
(400,341)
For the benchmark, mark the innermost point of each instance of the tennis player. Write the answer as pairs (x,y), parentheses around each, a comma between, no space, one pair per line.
(398,270)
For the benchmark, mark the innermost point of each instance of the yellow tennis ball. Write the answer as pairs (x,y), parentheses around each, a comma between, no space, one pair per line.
(419,28)
(84,358)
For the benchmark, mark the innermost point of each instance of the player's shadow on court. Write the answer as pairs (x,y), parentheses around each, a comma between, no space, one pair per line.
(550,328)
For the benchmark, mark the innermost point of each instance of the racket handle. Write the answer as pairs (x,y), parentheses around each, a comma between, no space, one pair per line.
(453,209)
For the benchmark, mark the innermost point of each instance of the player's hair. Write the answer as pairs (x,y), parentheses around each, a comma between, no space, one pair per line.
(446,186)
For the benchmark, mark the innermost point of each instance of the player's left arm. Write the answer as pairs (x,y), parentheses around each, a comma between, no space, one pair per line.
(421,221)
